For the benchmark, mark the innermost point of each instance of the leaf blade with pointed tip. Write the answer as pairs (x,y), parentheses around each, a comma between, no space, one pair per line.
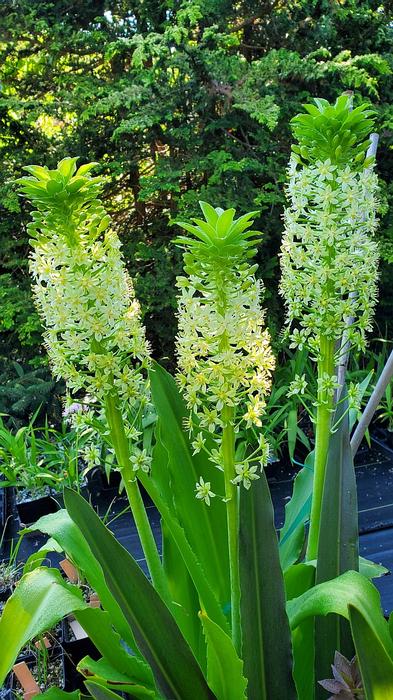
(176,670)
(39,601)
(265,627)
(224,668)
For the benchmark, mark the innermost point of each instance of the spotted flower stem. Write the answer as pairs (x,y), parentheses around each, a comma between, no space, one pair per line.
(322,439)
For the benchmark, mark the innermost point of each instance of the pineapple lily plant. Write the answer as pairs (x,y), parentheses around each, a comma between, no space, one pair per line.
(231,610)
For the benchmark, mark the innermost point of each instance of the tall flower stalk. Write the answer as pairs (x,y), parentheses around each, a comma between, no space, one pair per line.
(328,258)
(92,327)
(225,361)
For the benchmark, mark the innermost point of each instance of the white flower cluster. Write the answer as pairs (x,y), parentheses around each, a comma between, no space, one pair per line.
(329,260)
(91,317)
(223,349)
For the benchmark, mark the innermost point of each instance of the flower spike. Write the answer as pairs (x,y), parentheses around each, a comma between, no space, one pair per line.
(92,327)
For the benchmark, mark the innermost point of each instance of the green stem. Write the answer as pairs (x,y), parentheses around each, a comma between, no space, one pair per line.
(120,444)
(231,498)
(322,439)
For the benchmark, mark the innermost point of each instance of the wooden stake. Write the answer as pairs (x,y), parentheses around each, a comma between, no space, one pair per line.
(26,679)
(44,641)
(94,601)
(69,570)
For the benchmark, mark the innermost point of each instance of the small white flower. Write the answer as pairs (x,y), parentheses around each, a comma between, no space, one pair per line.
(198,444)
(328,384)
(245,474)
(298,385)
(203,491)
(140,460)
(354,396)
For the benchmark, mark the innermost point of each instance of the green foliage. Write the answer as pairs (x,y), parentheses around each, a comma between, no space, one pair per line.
(39,601)
(26,391)
(338,546)
(158,637)
(18,315)
(179,104)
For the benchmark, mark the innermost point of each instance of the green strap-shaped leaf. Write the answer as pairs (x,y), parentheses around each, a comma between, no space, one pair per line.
(37,558)
(375,663)
(370,569)
(58,694)
(202,584)
(266,648)
(338,547)
(297,513)
(224,668)
(292,432)
(63,530)
(299,578)
(184,595)
(176,670)
(350,589)
(208,540)
(104,674)
(39,601)
(99,692)
(98,625)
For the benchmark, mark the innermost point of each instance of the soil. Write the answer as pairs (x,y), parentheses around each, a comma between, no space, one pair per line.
(9,575)
(24,495)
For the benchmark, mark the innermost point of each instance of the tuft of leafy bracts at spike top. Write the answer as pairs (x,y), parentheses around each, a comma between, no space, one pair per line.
(224,354)
(333,132)
(219,240)
(92,327)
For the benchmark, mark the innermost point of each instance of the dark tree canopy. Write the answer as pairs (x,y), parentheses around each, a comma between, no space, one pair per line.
(177,101)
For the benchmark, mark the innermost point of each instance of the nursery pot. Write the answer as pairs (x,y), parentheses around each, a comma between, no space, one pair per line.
(99,486)
(383,435)
(74,651)
(5,593)
(3,505)
(6,691)
(31,510)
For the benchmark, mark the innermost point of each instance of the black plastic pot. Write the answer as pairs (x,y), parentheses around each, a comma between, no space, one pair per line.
(31,510)
(100,488)
(102,483)
(73,652)
(3,505)
(6,691)
(5,593)
(5,590)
